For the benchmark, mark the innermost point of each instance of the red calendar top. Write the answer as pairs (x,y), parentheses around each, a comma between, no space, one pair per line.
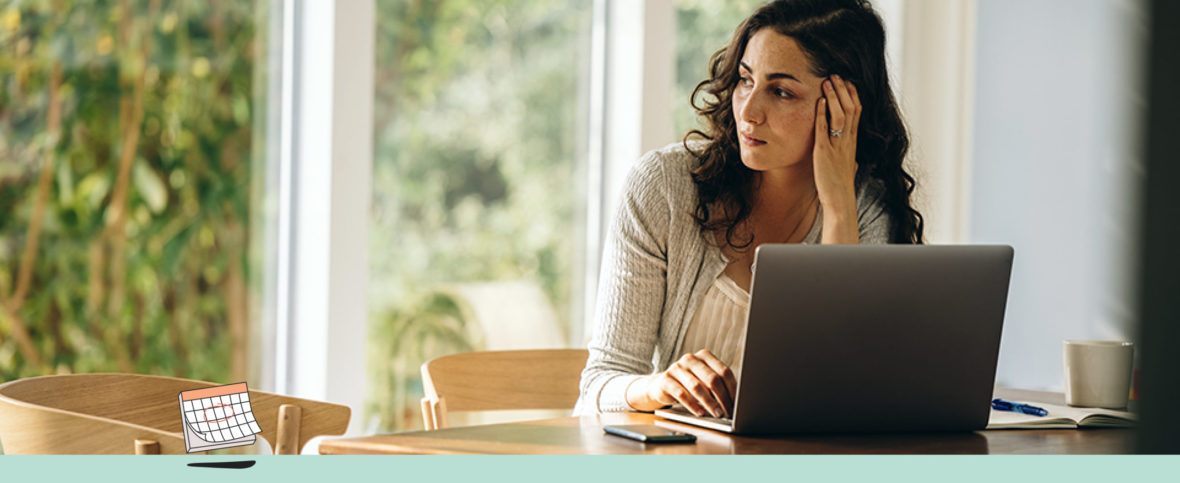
(213,391)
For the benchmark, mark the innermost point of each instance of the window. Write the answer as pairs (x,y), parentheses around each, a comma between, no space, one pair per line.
(128,141)
(478,184)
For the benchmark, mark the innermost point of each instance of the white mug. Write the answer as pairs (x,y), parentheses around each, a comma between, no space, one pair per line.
(1097,373)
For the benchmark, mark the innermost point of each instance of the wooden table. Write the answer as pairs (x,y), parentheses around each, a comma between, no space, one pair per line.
(574,435)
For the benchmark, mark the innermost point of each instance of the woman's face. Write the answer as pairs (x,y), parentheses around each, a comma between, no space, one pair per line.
(774,103)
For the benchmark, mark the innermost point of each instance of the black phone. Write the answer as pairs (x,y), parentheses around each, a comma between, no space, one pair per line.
(649,433)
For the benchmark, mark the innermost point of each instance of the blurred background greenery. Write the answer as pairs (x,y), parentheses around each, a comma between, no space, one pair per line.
(132,147)
(127,154)
(478,174)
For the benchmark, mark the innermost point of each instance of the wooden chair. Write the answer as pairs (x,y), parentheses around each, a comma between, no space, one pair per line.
(496,380)
(138,414)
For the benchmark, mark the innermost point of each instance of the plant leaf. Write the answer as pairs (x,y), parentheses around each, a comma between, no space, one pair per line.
(94,188)
(150,186)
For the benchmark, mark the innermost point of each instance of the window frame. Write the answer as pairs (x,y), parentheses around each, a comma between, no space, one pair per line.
(315,320)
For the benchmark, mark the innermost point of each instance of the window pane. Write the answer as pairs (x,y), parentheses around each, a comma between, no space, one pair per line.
(702,28)
(478,184)
(127,141)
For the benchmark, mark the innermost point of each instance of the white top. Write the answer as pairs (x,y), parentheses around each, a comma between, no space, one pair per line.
(719,324)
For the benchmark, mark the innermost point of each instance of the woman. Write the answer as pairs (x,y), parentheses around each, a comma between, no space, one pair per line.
(805,145)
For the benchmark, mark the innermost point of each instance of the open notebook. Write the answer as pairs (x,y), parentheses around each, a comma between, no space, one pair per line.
(1064,417)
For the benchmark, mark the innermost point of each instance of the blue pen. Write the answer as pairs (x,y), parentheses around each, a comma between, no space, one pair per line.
(1002,405)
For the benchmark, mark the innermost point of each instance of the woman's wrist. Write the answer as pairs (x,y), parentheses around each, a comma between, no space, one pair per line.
(838,202)
(636,394)
(840,226)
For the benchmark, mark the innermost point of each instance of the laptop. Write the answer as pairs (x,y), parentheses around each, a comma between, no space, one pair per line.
(868,338)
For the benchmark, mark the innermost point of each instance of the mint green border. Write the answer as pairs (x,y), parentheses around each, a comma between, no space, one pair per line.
(598,469)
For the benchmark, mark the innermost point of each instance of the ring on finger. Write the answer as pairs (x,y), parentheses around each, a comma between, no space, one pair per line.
(835,132)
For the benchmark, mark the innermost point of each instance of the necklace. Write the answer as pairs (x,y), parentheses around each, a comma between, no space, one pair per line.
(791,235)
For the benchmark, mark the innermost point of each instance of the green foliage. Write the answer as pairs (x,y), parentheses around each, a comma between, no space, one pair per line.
(413,332)
(140,261)
(477,171)
(702,28)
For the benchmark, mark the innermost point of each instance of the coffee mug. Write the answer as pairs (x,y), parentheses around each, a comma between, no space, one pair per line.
(1097,373)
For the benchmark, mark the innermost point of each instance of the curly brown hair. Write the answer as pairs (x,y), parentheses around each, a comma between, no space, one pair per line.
(843,37)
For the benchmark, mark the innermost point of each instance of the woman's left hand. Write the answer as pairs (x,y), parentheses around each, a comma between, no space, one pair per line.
(834,155)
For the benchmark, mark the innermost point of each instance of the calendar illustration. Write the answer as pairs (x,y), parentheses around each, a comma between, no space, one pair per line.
(217,417)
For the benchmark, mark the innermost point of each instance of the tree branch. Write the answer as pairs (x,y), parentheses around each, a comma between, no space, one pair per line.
(131,114)
(178,313)
(116,230)
(24,277)
(137,338)
(96,289)
(234,287)
(44,183)
(23,341)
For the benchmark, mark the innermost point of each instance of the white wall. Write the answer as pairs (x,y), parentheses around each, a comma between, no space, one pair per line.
(1055,171)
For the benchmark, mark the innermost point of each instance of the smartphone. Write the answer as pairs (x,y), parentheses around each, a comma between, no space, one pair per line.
(649,433)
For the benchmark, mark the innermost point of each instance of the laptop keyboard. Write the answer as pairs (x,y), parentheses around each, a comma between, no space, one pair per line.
(685,412)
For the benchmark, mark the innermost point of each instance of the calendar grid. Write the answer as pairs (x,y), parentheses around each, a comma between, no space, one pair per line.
(220,416)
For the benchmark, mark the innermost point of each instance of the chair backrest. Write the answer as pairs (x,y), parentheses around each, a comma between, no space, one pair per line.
(493,380)
(133,413)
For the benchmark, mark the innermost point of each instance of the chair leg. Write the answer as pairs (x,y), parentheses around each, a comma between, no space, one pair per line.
(427,415)
(289,416)
(147,446)
(439,411)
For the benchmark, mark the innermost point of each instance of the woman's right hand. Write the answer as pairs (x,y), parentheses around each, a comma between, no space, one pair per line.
(700,382)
